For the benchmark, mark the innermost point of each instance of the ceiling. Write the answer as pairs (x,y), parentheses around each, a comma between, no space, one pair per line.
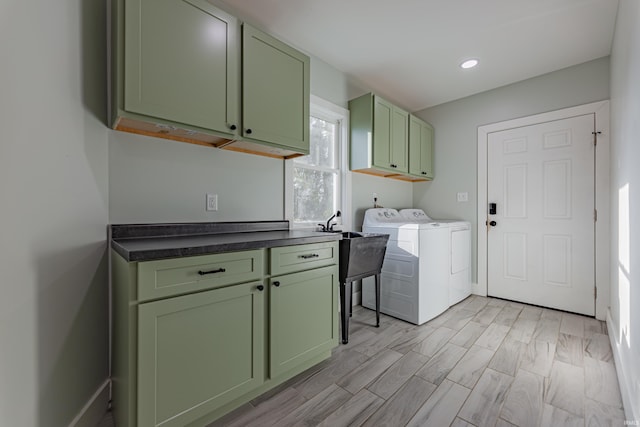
(409,51)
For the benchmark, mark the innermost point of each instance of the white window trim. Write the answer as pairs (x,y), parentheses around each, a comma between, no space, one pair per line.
(322,108)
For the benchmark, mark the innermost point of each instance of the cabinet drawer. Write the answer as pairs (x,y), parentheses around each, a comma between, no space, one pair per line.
(168,277)
(290,259)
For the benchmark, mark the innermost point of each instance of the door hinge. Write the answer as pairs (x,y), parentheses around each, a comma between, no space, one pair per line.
(595,214)
(595,292)
(595,137)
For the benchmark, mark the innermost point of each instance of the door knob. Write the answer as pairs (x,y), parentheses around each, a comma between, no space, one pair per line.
(493,223)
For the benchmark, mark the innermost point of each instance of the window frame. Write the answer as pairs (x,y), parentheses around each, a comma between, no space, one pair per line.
(325,110)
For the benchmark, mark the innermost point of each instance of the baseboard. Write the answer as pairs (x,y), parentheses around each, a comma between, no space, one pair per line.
(477,289)
(625,378)
(356,299)
(95,409)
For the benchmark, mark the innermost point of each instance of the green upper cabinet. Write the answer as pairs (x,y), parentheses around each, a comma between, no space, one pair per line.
(390,136)
(420,148)
(188,71)
(399,140)
(382,134)
(275,87)
(179,63)
(379,137)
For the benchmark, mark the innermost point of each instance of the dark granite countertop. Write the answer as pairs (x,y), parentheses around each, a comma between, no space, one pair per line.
(146,242)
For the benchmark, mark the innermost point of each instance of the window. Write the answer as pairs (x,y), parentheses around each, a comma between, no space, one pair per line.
(317,185)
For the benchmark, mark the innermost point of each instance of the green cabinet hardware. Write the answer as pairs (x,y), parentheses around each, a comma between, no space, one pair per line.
(289,259)
(380,134)
(179,68)
(168,277)
(304,317)
(197,352)
(420,148)
(196,337)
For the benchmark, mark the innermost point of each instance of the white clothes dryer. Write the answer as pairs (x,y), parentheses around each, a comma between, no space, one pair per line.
(414,278)
(458,249)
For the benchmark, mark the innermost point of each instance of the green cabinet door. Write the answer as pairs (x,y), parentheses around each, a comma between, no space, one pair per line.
(420,148)
(390,136)
(182,63)
(382,132)
(198,352)
(400,140)
(275,87)
(304,317)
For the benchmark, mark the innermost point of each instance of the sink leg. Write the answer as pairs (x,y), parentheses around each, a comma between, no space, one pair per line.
(345,304)
(377,300)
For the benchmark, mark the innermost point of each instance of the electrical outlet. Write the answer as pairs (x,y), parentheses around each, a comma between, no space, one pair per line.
(212,202)
(463,197)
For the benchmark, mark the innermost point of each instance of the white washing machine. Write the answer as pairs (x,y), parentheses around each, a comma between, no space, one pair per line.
(414,279)
(458,249)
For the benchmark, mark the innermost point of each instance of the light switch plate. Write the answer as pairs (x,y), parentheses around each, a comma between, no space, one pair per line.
(212,202)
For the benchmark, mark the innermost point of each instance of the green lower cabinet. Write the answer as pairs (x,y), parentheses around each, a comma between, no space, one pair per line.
(303,317)
(232,328)
(198,352)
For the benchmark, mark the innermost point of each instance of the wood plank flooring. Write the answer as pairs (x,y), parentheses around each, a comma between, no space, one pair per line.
(484,362)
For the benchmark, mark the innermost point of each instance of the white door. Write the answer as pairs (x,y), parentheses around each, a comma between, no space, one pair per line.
(541,248)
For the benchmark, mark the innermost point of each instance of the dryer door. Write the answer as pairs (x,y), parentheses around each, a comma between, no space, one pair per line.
(460,277)
(460,250)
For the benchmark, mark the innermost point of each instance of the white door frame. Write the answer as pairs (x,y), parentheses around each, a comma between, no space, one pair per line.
(602,235)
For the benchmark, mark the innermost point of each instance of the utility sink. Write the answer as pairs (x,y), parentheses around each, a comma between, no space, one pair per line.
(361,255)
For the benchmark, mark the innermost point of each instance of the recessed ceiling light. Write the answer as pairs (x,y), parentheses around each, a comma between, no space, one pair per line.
(469,63)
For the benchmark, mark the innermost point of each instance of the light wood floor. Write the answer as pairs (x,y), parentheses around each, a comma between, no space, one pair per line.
(484,362)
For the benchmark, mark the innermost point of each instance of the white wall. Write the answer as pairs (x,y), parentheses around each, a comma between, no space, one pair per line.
(331,84)
(624,321)
(456,132)
(158,180)
(391,193)
(53,188)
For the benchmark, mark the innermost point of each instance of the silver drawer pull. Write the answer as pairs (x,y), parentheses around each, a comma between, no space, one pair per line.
(308,256)
(220,270)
